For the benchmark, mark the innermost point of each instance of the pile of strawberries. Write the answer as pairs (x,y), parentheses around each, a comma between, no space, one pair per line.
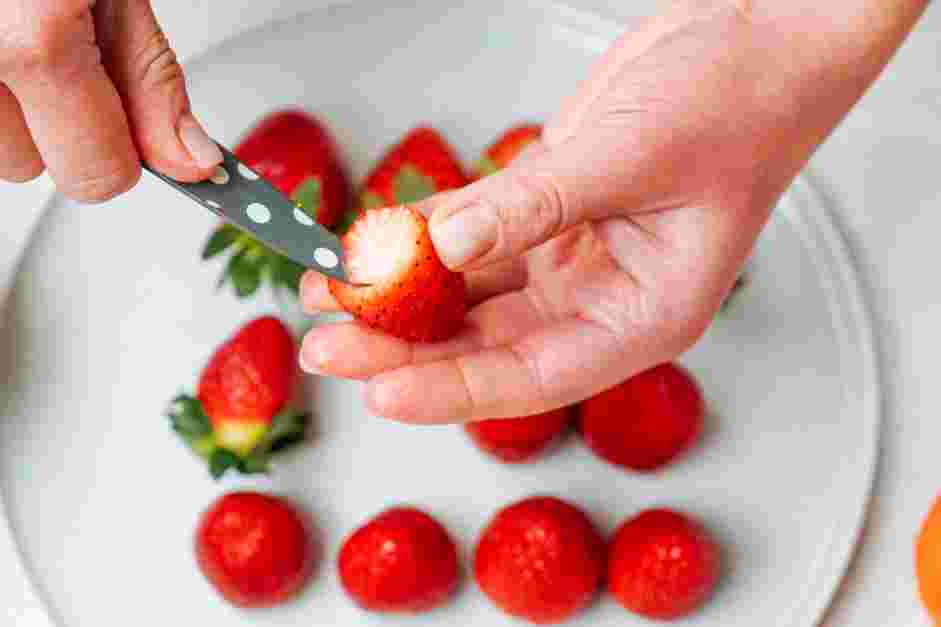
(541,559)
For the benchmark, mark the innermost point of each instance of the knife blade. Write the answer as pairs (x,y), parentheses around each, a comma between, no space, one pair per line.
(244,199)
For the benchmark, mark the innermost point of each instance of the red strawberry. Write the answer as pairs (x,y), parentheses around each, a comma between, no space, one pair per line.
(662,564)
(403,560)
(240,415)
(647,421)
(402,287)
(518,439)
(507,148)
(420,165)
(540,559)
(295,153)
(255,549)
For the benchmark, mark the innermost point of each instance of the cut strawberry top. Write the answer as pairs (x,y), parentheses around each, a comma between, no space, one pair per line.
(381,246)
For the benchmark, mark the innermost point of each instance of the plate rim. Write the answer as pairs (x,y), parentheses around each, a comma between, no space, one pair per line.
(27,599)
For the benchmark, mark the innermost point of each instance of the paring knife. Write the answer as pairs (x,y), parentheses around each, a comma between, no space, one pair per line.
(238,195)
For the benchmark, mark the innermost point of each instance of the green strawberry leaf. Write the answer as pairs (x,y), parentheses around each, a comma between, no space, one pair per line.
(486,166)
(372,200)
(286,273)
(411,185)
(244,271)
(221,460)
(287,428)
(308,196)
(346,221)
(188,418)
(222,238)
(255,463)
(204,446)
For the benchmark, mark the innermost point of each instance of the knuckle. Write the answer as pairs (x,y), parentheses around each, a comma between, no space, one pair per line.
(540,212)
(61,43)
(101,188)
(156,64)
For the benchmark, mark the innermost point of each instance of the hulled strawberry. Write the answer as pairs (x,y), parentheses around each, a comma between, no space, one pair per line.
(506,148)
(514,440)
(297,155)
(240,415)
(662,564)
(541,560)
(399,285)
(421,164)
(647,421)
(403,560)
(255,549)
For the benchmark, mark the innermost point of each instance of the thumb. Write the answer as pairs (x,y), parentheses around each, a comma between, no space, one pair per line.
(548,190)
(150,80)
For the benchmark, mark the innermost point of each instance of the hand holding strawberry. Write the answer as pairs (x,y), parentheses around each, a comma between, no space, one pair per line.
(609,245)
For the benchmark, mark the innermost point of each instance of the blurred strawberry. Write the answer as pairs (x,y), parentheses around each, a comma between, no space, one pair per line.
(255,549)
(420,165)
(402,560)
(514,440)
(240,416)
(662,564)
(645,422)
(506,148)
(540,559)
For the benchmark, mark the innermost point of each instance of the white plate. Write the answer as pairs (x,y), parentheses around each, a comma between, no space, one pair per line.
(112,314)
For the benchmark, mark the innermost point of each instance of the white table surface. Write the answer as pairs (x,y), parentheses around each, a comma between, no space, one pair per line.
(881,170)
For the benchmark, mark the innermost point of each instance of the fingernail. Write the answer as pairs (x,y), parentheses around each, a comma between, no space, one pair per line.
(202,149)
(313,357)
(464,236)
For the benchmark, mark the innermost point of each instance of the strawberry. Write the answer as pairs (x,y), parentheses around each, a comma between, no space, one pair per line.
(522,439)
(240,416)
(662,564)
(399,284)
(402,560)
(297,155)
(540,559)
(645,422)
(421,164)
(255,549)
(506,148)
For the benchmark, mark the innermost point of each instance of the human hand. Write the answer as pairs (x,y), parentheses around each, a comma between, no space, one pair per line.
(87,90)
(609,247)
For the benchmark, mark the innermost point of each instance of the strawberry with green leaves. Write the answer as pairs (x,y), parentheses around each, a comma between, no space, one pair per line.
(297,155)
(506,148)
(240,416)
(420,165)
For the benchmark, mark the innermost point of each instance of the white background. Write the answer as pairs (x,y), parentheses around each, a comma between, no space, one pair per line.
(881,170)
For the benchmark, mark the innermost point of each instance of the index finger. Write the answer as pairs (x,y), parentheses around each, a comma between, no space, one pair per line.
(72,109)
